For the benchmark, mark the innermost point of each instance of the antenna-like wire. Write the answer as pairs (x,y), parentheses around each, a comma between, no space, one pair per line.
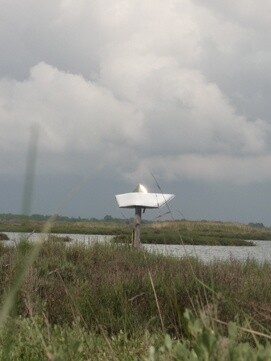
(166,202)
(169,210)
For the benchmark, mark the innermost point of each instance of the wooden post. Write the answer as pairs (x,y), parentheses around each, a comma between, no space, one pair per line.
(136,238)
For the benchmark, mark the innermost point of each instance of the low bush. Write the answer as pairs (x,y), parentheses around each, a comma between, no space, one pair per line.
(3,237)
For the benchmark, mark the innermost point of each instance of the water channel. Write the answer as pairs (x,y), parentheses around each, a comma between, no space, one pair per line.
(260,252)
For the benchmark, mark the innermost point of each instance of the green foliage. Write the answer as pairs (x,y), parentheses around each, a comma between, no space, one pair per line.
(204,343)
(34,339)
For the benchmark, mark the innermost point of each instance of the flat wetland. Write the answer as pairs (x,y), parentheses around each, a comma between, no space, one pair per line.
(167,232)
(113,302)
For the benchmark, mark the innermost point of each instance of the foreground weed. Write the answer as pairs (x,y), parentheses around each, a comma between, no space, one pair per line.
(26,254)
(33,340)
(204,343)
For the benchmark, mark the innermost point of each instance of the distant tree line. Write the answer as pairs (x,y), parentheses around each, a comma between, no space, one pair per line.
(9,217)
(41,217)
(256,225)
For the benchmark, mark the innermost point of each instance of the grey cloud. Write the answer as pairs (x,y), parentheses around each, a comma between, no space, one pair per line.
(182,90)
(207,168)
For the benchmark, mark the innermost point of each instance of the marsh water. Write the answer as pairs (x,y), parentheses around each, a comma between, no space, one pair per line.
(260,252)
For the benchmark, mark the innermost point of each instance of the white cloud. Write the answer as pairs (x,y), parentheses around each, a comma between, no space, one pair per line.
(75,117)
(146,86)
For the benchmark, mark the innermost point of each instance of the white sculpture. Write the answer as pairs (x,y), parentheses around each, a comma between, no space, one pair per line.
(141,199)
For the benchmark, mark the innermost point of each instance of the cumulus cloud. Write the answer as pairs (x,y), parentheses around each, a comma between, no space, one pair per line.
(76,117)
(153,86)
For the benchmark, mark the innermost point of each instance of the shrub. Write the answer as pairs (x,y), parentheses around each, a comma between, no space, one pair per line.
(3,237)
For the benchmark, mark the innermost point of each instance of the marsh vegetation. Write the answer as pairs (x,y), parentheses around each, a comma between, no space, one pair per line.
(165,232)
(112,302)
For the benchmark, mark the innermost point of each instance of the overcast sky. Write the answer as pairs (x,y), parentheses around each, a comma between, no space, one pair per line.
(113,91)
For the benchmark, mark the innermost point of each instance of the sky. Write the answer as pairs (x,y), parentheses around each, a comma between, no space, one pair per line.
(97,96)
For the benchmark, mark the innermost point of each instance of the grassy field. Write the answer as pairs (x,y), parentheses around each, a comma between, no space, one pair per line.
(112,302)
(169,232)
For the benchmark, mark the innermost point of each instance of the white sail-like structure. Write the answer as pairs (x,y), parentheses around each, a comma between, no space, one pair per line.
(141,198)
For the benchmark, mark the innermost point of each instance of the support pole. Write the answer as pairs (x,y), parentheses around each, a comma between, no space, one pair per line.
(136,238)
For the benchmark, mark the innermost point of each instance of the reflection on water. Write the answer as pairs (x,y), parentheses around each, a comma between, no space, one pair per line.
(15,237)
(260,252)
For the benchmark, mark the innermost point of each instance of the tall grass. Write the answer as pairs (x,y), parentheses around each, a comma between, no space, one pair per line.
(72,301)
